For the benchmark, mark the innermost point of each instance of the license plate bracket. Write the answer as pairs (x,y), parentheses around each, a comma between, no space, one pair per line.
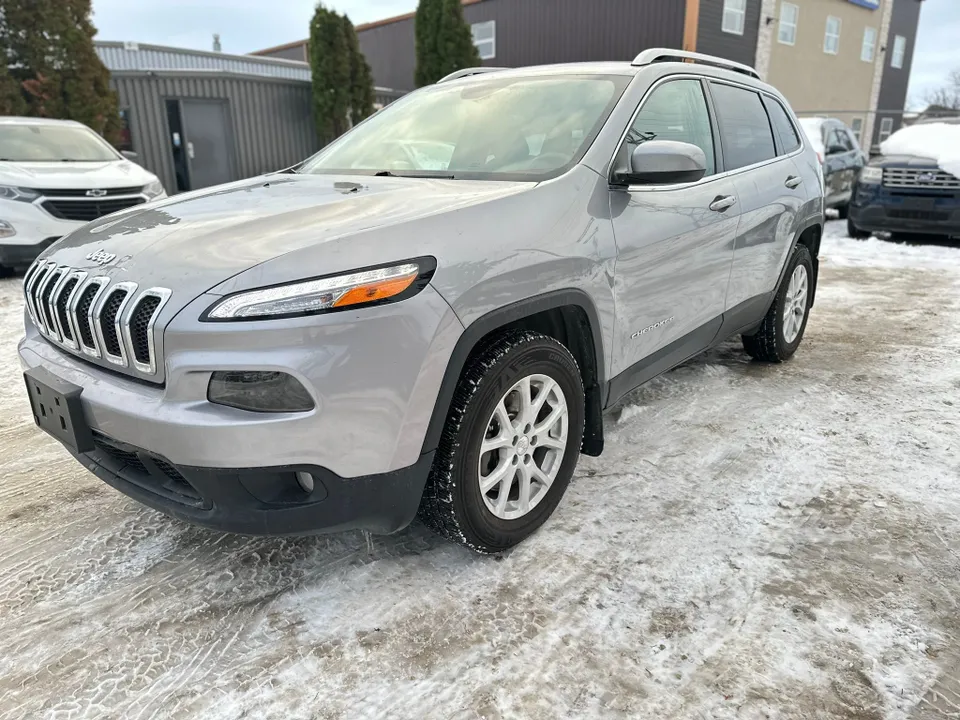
(57,409)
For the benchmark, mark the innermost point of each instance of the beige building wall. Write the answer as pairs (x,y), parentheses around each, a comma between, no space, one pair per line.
(815,81)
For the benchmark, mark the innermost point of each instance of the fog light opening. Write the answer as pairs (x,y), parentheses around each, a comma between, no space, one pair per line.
(6,229)
(305,481)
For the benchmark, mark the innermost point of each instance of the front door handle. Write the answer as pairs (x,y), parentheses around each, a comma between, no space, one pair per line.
(793,182)
(723,202)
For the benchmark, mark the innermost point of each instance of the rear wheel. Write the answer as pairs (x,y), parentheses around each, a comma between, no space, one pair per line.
(510,444)
(783,326)
(855,232)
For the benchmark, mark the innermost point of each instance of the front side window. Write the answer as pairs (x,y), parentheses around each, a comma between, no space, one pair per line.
(53,143)
(869,44)
(744,126)
(831,40)
(789,16)
(886,128)
(789,138)
(857,127)
(675,111)
(899,52)
(734,16)
(485,38)
(506,128)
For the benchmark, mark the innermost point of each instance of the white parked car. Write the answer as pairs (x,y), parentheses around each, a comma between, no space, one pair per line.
(55,176)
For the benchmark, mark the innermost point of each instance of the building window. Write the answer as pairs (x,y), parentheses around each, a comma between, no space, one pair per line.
(789,13)
(857,127)
(869,44)
(899,51)
(734,16)
(886,129)
(485,38)
(831,40)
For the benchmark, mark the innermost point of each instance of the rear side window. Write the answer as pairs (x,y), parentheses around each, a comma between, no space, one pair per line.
(744,126)
(789,140)
(675,111)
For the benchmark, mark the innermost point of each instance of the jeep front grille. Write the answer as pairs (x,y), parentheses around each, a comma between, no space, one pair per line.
(914,179)
(92,316)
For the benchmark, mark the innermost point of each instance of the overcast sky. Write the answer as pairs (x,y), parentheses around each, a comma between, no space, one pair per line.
(247,25)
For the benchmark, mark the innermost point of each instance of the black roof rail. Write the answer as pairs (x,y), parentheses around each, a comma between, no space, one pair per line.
(467,72)
(658,55)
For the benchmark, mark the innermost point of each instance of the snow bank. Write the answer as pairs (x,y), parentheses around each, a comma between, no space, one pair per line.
(813,128)
(939,141)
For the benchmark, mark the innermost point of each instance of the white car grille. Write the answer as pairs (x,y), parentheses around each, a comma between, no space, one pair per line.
(913,179)
(94,317)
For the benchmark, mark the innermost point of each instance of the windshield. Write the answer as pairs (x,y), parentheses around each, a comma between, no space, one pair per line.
(528,128)
(52,143)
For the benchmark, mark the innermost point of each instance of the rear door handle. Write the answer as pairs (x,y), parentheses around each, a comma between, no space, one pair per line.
(723,202)
(793,182)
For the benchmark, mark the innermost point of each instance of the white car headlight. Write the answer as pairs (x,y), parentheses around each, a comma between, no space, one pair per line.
(8,192)
(154,189)
(871,175)
(360,289)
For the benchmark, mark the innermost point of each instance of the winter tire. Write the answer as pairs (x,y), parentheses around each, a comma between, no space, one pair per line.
(510,444)
(783,326)
(855,232)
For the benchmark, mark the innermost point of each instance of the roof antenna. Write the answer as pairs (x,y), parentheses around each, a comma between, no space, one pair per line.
(216,42)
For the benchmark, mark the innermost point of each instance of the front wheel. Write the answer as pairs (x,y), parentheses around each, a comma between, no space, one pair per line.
(782,328)
(510,444)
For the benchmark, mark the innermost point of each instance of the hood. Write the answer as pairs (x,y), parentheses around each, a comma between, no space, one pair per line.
(74,175)
(907,161)
(191,243)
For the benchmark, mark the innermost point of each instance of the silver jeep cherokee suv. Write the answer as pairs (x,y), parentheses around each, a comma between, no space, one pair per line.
(430,315)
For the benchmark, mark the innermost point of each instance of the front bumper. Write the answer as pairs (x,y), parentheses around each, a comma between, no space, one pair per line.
(36,230)
(876,209)
(261,501)
(374,374)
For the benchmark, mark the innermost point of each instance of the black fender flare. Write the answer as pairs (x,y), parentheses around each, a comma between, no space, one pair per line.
(474,333)
(811,222)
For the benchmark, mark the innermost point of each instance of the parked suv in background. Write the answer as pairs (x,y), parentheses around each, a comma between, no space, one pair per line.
(904,190)
(55,176)
(842,159)
(345,345)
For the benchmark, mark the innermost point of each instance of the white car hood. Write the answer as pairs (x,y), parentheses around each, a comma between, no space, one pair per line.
(74,175)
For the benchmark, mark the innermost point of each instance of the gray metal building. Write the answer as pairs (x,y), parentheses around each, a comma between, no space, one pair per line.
(197,118)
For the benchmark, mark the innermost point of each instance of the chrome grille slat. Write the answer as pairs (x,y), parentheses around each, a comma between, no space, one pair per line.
(920,179)
(67,308)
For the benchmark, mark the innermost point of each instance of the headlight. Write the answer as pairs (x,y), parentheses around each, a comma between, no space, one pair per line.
(328,294)
(154,189)
(871,175)
(259,391)
(8,192)
(6,229)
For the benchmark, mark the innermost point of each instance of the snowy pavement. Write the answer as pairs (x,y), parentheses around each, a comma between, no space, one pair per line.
(757,541)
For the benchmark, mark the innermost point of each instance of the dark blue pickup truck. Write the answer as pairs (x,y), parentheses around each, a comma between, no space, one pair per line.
(905,195)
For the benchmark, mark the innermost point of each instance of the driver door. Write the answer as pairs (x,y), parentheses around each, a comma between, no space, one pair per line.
(675,243)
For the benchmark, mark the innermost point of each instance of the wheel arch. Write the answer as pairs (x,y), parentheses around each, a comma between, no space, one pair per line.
(809,235)
(569,316)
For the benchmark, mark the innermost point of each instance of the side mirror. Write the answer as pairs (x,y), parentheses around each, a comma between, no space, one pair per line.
(130,155)
(665,162)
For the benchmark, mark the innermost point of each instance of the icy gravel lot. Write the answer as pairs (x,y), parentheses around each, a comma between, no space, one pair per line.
(757,542)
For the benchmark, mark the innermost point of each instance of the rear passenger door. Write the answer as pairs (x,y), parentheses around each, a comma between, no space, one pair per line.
(769,187)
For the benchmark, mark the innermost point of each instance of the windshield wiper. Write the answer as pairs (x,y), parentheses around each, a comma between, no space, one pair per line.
(435,176)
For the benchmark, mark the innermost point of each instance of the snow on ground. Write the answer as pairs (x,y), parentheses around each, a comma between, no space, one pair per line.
(757,541)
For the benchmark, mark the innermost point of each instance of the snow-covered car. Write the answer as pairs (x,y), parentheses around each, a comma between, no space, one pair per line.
(840,155)
(913,186)
(56,176)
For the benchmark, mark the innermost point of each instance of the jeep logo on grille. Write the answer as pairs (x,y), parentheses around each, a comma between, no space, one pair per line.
(101,257)
(96,193)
